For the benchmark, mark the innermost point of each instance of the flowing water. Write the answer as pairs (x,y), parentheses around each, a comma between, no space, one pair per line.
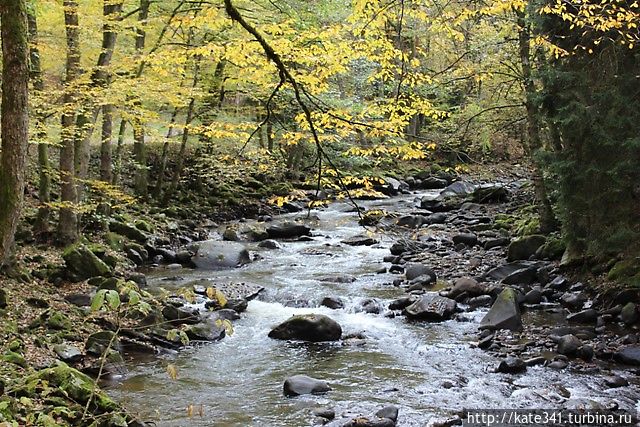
(426,369)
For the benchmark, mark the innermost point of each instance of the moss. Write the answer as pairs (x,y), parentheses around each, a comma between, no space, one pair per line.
(624,269)
(115,240)
(58,321)
(15,358)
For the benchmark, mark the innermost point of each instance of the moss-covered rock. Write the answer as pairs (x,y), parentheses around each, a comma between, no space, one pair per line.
(525,247)
(58,321)
(82,263)
(552,249)
(115,241)
(128,230)
(624,269)
(15,358)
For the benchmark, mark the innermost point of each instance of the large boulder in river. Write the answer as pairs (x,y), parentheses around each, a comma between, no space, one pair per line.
(215,254)
(467,286)
(83,264)
(504,313)
(302,384)
(431,307)
(458,189)
(308,327)
(413,271)
(288,230)
(525,247)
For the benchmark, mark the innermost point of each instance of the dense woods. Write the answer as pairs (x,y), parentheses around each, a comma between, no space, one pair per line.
(122,112)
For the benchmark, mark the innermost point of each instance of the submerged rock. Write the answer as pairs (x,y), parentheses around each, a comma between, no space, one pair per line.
(302,384)
(214,254)
(360,240)
(504,313)
(308,327)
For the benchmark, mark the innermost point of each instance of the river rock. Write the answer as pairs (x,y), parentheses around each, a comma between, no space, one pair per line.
(512,365)
(402,303)
(332,303)
(436,218)
(390,412)
(128,230)
(83,263)
(573,300)
(68,353)
(489,193)
(458,189)
(504,313)
(179,315)
(209,329)
(411,221)
(629,313)
(524,247)
(214,255)
(302,384)
(432,183)
(524,276)
(99,342)
(269,244)
(615,381)
(360,240)
(534,296)
(585,316)
(468,239)
(308,327)
(629,355)
(431,307)
(499,273)
(569,345)
(413,271)
(495,243)
(288,230)
(468,286)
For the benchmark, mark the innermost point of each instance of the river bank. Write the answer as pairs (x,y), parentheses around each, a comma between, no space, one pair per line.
(389,354)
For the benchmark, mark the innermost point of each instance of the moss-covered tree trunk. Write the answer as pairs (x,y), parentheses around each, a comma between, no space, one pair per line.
(14,126)
(41,225)
(68,224)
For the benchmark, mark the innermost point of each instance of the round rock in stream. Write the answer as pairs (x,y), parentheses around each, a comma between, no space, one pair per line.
(214,254)
(308,327)
(302,384)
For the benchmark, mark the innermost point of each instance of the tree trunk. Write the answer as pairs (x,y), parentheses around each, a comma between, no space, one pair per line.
(139,149)
(100,77)
(41,225)
(68,225)
(14,126)
(105,147)
(157,191)
(534,145)
(117,163)
(185,138)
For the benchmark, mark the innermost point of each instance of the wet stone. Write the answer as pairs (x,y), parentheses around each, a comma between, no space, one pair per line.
(512,365)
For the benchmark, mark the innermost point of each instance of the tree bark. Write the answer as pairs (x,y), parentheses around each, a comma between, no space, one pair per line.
(100,77)
(117,163)
(157,191)
(68,224)
(548,221)
(14,126)
(139,149)
(41,225)
(185,139)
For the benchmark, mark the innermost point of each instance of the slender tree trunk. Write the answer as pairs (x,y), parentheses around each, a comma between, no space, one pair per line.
(139,149)
(105,147)
(117,162)
(41,225)
(157,191)
(68,225)
(185,139)
(100,77)
(213,100)
(14,126)
(534,144)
